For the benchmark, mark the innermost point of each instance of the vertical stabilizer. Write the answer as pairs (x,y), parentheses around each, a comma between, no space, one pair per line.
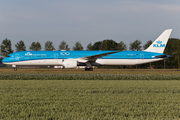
(160,43)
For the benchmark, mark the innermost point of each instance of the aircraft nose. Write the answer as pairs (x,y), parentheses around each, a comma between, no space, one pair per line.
(4,60)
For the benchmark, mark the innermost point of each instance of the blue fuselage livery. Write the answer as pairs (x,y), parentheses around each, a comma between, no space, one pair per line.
(72,59)
(64,55)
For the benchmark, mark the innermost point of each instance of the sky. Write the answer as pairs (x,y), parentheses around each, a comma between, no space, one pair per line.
(87,21)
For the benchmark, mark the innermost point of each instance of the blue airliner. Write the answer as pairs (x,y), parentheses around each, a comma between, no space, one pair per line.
(72,59)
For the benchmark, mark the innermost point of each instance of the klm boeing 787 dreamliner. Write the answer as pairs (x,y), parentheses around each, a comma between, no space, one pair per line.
(72,59)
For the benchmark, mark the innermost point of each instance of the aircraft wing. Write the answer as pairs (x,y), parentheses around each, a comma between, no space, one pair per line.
(94,57)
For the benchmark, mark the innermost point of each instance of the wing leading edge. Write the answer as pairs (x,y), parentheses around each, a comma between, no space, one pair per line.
(93,58)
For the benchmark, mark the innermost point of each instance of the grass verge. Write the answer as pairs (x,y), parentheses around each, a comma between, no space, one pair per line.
(87,76)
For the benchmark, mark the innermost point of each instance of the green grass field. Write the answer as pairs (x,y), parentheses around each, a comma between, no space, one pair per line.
(95,71)
(89,99)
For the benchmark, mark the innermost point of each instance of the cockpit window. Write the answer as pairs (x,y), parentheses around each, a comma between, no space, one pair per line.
(8,56)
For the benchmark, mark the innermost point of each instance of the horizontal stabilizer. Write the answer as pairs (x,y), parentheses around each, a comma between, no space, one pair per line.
(163,56)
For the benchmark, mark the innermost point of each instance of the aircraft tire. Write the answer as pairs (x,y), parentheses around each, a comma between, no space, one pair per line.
(15,69)
(90,69)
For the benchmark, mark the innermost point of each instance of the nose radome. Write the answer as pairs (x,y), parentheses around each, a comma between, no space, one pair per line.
(4,60)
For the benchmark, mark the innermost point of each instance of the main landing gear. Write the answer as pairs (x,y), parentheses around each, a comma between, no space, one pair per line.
(89,69)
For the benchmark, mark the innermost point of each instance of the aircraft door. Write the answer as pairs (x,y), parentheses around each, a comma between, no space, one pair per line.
(55,56)
(17,57)
(142,56)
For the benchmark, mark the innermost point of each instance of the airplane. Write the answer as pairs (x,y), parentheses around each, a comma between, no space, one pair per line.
(72,59)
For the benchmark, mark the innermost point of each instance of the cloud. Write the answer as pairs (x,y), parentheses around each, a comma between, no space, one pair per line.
(4,18)
(86,21)
(143,6)
(170,8)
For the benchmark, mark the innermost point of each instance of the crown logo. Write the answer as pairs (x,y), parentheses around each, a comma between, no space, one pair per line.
(28,53)
(159,42)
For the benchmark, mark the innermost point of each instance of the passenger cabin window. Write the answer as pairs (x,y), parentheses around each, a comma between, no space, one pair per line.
(115,56)
(130,56)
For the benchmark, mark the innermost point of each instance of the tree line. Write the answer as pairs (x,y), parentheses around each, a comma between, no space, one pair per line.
(106,44)
(172,48)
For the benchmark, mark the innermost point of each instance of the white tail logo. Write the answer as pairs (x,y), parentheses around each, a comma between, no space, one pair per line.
(159,44)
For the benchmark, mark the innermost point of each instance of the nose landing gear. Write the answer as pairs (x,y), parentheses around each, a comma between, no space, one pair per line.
(15,68)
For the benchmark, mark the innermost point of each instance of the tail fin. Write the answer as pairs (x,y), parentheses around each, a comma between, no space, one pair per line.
(159,44)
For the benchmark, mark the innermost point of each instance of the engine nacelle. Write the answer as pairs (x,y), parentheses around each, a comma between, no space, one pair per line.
(69,64)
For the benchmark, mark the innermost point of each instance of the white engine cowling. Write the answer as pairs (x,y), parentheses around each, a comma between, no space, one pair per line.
(69,64)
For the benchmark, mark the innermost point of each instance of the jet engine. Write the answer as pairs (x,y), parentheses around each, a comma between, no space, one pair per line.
(69,64)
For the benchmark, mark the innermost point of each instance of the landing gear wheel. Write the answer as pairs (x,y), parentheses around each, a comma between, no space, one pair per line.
(15,69)
(88,69)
